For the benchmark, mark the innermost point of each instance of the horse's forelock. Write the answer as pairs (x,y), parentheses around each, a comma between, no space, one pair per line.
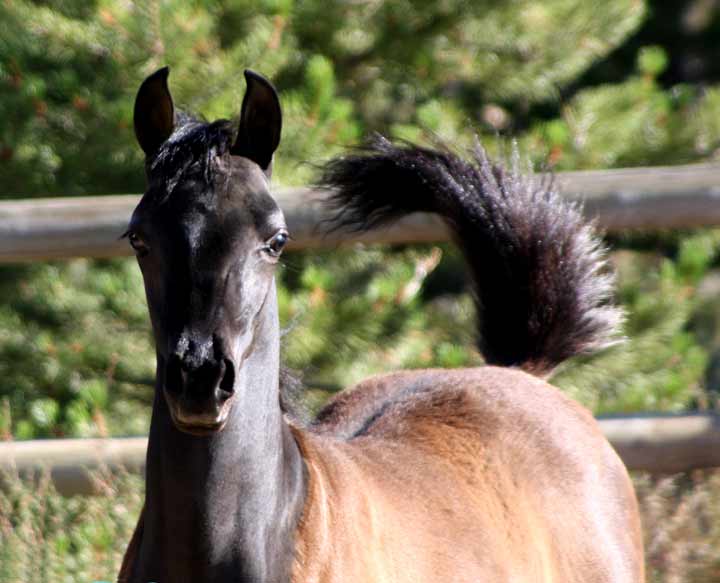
(194,147)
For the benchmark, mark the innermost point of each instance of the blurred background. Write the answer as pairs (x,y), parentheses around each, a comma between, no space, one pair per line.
(579,84)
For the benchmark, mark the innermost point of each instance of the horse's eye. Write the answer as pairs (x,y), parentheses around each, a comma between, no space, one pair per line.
(137,243)
(275,245)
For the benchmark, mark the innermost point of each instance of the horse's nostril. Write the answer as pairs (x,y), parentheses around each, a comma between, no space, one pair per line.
(227,382)
(212,379)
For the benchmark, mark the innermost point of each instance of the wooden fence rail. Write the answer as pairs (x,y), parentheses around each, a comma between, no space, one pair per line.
(656,443)
(642,198)
(638,198)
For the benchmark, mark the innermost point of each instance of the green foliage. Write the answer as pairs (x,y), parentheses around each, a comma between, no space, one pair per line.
(45,537)
(652,61)
(66,97)
(681,520)
(74,342)
(636,122)
(76,356)
(366,305)
(661,365)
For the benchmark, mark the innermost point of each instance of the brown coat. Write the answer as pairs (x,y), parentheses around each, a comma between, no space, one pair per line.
(476,475)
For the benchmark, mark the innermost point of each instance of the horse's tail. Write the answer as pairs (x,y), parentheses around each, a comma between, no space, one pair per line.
(542,291)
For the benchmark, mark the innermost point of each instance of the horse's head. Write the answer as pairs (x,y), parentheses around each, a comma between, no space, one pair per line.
(207,235)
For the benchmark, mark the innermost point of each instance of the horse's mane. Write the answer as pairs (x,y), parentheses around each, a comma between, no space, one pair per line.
(292,393)
(193,149)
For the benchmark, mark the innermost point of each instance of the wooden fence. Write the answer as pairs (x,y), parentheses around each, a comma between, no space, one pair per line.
(655,443)
(641,198)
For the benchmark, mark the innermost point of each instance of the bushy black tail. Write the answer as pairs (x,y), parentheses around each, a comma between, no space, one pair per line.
(542,290)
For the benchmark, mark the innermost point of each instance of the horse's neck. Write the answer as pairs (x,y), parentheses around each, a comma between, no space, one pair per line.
(225,507)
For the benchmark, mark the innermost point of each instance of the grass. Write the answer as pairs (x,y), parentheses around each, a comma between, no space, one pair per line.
(45,537)
(681,520)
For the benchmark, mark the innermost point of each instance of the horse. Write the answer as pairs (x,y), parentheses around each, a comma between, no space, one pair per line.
(484,474)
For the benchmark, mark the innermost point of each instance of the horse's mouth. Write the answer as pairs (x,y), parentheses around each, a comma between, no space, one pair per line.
(200,429)
(198,422)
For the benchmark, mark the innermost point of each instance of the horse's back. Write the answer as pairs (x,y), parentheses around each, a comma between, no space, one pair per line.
(482,474)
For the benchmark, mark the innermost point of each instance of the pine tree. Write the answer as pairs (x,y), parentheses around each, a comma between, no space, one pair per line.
(580,84)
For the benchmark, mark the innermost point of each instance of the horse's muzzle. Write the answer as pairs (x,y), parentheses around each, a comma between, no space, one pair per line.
(199,395)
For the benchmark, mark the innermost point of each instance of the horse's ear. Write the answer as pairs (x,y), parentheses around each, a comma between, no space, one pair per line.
(154,115)
(260,122)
